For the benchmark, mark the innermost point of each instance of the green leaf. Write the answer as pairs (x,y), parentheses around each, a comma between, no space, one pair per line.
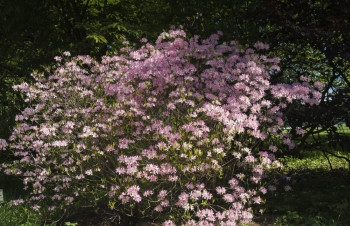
(98,38)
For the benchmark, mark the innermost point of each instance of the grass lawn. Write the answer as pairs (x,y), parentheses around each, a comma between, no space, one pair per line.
(319,196)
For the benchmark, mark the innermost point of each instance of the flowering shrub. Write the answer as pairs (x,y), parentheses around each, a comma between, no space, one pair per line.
(182,131)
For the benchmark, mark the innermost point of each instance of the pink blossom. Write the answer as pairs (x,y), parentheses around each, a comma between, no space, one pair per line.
(260,45)
(272,148)
(220,190)
(162,194)
(272,188)
(148,193)
(17,202)
(133,193)
(206,214)
(58,58)
(287,188)
(300,131)
(229,198)
(69,200)
(164,203)
(257,200)
(195,194)
(206,195)
(124,198)
(158,208)
(152,168)
(249,159)
(88,172)
(35,207)
(124,143)
(173,178)
(182,199)
(3,144)
(62,143)
(319,85)
(121,170)
(66,53)
(169,223)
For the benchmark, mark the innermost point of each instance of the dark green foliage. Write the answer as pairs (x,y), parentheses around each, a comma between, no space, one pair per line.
(313,39)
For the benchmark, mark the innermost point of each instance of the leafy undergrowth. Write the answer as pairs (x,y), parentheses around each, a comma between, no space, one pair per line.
(21,216)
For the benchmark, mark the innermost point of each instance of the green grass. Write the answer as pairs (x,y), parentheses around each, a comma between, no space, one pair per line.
(314,160)
(319,195)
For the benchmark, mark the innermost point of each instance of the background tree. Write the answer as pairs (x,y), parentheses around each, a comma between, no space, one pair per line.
(311,37)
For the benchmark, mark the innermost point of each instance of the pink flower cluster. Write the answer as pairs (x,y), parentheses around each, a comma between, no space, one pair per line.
(183,127)
(3,144)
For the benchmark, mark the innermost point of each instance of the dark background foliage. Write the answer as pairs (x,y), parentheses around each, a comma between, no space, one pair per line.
(312,37)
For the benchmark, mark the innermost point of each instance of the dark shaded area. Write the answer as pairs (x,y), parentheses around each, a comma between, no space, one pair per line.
(317,198)
(12,187)
(89,217)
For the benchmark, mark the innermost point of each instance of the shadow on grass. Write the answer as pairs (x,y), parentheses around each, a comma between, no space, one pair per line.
(319,197)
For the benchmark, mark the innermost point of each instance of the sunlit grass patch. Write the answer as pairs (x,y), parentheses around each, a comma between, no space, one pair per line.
(315,160)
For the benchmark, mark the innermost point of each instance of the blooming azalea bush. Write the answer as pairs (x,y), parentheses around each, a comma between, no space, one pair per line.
(181,131)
